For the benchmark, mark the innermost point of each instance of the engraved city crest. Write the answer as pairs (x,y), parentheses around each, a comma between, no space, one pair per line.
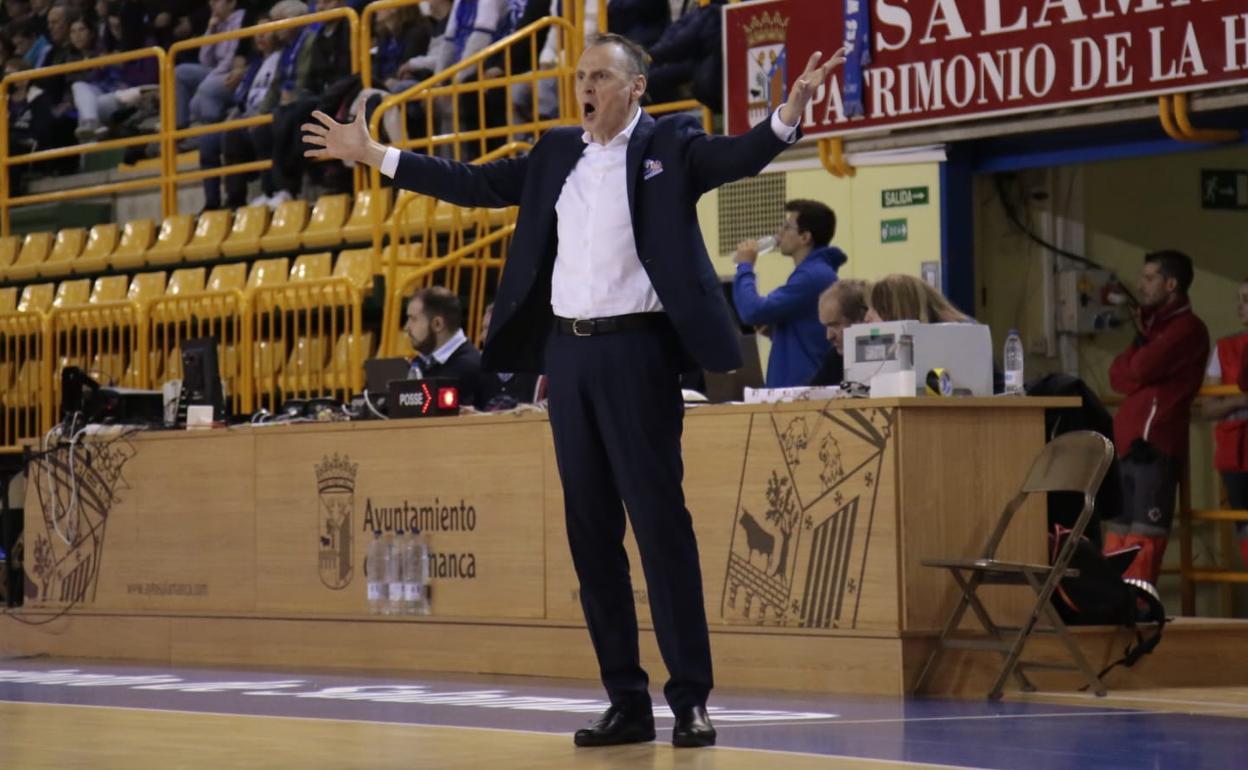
(766,64)
(77,485)
(801,529)
(335,483)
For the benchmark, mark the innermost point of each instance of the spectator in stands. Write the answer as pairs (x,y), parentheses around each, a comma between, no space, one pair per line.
(900,297)
(29,41)
(205,89)
(401,34)
(1228,365)
(641,21)
(505,390)
(59,51)
(1159,375)
(689,55)
(435,328)
(247,144)
(841,305)
(34,124)
(791,312)
(320,78)
(101,94)
(421,66)
(256,93)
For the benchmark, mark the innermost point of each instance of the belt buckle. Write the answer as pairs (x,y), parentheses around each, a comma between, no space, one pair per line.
(589,327)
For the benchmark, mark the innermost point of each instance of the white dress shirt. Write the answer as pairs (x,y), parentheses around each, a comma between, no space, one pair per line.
(597,271)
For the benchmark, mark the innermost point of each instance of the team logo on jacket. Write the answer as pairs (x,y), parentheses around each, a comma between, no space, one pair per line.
(767,64)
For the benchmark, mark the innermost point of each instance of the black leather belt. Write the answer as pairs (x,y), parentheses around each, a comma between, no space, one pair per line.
(588,327)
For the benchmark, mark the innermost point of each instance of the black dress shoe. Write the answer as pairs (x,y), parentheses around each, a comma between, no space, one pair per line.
(617,726)
(693,728)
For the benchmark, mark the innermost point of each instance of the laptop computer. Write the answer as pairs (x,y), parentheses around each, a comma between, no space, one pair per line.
(380,372)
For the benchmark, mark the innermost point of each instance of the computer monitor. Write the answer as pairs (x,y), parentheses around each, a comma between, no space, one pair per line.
(201,379)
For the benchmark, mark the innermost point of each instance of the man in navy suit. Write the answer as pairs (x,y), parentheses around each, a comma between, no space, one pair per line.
(613,302)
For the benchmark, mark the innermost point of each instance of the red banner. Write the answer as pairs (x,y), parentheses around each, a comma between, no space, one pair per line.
(934,61)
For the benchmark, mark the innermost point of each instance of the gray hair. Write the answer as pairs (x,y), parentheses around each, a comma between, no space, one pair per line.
(288,9)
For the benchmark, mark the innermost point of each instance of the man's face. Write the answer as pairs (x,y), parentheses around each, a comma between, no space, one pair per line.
(58,27)
(788,239)
(1243,303)
(834,322)
(419,329)
(1154,288)
(606,90)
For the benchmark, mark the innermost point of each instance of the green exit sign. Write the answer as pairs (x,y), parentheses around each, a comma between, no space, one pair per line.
(894,231)
(1224,189)
(904,196)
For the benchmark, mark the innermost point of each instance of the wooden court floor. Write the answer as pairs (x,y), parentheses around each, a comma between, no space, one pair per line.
(75,715)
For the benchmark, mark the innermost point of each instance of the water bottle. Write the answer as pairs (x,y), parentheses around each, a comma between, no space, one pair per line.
(416,575)
(1013,360)
(374,570)
(765,244)
(409,574)
(393,591)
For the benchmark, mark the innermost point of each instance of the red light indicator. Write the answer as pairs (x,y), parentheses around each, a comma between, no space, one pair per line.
(448,398)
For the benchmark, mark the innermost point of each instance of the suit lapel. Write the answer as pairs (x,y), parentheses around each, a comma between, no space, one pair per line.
(637,144)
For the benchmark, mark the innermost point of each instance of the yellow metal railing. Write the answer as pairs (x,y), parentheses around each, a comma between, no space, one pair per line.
(172,319)
(484,253)
(306,341)
(7,160)
(25,392)
(170,134)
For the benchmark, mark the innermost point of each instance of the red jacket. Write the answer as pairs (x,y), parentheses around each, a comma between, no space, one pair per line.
(1231,455)
(1160,374)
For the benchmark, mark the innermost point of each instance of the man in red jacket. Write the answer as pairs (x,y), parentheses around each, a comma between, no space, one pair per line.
(1159,375)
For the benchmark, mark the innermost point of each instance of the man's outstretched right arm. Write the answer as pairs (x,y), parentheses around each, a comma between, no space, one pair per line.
(495,184)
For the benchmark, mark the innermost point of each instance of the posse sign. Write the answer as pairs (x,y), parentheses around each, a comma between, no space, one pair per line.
(931,61)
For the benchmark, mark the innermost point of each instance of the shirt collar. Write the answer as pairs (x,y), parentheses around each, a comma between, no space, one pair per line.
(620,138)
(442,354)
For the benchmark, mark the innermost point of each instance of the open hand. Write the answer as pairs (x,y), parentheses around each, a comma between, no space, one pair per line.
(803,89)
(344,141)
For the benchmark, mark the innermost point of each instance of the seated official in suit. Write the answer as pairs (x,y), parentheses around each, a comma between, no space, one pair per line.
(436,329)
(798,342)
(507,390)
(841,305)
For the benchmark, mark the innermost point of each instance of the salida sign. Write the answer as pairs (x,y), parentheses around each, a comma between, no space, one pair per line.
(941,60)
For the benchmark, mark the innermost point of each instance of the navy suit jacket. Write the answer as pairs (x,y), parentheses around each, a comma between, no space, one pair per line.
(665,227)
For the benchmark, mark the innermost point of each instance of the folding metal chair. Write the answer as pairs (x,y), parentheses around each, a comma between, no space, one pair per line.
(1073,462)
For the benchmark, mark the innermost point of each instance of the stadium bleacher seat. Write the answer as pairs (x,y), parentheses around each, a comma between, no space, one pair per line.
(174,234)
(72,293)
(359,226)
(35,249)
(324,229)
(250,224)
(268,272)
(9,246)
(210,231)
(284,230)
(36,298)
(227,277)
(101,242)
(356,265)
(110,288)
(146,287)
(65,251)
(311,267)
(136,239)
(188,280)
